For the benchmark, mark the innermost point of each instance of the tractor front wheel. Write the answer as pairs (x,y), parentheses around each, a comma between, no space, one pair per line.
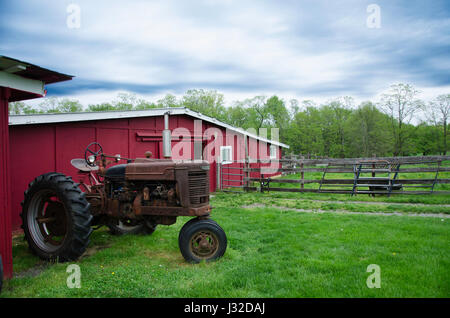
(202,240)
(55,218)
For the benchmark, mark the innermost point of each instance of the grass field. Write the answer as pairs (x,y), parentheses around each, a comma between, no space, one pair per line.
(273,251)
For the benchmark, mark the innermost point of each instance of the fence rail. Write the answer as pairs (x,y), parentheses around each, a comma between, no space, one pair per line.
(386,175)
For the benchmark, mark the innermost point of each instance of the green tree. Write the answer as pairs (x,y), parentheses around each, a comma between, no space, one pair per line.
(368,132)
(20,108)
(294,108)
(278,116)
(306,132)
(207,102)
(237,116)
(341,114)
(143,104)
(60,105)
(168,101)
(125,101)
(400,104)
(69,106)
(50,105)
(256,115)
(102,107)
(438,112)
(427,139)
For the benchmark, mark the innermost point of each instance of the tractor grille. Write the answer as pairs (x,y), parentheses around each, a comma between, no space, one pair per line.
(198,187)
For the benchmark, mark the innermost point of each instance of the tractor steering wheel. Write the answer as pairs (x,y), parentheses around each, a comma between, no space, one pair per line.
(91,149)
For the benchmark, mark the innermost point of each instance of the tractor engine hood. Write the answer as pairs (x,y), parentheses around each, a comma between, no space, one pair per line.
(116,172)
(155,169)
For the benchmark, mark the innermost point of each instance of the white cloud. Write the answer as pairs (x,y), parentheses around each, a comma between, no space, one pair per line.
(242,48)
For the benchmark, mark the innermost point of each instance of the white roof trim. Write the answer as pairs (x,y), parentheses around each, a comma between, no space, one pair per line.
(21,83)
(88,116)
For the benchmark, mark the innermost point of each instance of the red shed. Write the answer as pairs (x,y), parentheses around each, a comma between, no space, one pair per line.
(18,81)
(47,142)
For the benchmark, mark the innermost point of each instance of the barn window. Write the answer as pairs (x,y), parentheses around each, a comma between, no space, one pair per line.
(226,154)
(273,152)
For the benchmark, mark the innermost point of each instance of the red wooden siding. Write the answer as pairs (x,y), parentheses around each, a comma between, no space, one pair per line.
(5,188)
(37,149)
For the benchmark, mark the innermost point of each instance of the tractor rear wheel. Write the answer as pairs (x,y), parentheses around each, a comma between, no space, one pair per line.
(56,218)
(202,240)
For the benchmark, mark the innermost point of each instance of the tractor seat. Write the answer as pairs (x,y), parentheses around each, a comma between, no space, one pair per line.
(81,165)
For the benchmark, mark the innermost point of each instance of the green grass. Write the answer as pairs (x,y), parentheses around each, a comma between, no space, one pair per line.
(426,204)
(272,252)
(429,199)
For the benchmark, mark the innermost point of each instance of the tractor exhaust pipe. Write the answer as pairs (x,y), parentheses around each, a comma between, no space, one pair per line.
(167,137)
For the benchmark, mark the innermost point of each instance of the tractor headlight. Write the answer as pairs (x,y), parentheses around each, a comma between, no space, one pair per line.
(91,159)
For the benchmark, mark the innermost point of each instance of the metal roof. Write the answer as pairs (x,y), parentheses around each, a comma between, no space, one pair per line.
(89,116)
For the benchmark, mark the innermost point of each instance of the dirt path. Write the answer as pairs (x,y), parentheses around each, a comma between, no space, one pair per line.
(428,215)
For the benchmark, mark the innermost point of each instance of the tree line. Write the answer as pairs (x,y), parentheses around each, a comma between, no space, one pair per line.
(399,124)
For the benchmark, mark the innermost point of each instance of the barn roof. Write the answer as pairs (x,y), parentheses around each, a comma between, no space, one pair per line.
(32,71)
(14,69)
(88,116)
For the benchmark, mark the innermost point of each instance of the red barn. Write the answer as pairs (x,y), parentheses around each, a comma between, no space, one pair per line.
(19,80)
(48,142)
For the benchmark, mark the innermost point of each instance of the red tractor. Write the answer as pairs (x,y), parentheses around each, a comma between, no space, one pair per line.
(58,214)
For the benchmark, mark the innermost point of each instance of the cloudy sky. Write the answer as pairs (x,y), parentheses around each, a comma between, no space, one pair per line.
(296,49)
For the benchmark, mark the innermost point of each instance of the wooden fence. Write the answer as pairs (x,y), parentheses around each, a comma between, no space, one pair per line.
(386,175)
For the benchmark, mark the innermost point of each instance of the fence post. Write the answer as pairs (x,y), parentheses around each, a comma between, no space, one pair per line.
(302,186)
(246,174)
(218,172)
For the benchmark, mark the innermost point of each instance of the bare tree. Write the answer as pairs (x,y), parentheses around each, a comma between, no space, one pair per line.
(400,104)
(438,113)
